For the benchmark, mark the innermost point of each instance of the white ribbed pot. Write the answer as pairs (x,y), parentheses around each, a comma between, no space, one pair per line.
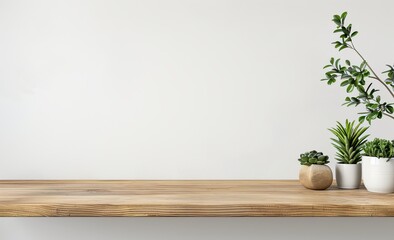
(378,174)
(348,176)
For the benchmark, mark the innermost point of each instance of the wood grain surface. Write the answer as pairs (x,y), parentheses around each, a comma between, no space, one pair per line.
(73,198)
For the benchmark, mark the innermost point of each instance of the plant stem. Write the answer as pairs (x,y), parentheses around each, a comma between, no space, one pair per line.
(388,115)
(376,77)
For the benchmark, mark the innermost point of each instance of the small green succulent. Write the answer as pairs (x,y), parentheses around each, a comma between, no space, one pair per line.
(349,141)
(313,157)
(380,148)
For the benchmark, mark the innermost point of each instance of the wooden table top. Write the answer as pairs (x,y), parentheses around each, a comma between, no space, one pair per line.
(190,198)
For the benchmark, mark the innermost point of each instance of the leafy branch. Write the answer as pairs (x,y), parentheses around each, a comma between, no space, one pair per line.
(355,76)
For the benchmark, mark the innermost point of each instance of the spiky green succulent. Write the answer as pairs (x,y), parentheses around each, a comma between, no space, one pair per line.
(380,148)
(349,141)
(313,157)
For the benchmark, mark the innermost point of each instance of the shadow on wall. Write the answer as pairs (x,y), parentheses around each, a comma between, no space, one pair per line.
(194,228)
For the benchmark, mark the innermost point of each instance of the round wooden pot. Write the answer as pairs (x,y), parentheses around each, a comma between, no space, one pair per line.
(316,177)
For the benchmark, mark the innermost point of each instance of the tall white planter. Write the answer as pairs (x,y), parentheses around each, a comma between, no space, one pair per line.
(378,174)
(348,176)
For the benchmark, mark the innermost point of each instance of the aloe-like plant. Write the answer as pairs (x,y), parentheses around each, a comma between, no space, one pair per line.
(360,77)
(380,148)
(313,157)
(349,141)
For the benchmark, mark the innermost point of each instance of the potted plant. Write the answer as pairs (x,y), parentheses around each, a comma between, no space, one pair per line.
(314,174)
(378,166)
(348,143)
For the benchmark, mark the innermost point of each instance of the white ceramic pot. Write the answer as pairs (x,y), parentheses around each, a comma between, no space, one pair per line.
(348,176)
(378,174)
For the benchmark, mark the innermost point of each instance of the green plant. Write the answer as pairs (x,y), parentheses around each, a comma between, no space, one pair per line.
(349,141)
(359,76)
(313,157)
(380,148)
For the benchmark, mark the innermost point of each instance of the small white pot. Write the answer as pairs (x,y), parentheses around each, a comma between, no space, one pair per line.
(378,174)
(348,176)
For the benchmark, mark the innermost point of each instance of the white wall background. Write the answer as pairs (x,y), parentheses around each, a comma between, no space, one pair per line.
(175,89)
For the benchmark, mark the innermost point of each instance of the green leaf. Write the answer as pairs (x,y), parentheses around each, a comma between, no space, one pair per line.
(344,83)
(337,62)
(345,31)
(337,22)
(331,81)
(390,109)
(354,34)
(373,115)
(372,106)
(360,89)
(350,88)
(343,15)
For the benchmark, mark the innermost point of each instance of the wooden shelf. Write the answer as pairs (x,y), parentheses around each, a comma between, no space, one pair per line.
(185,198)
